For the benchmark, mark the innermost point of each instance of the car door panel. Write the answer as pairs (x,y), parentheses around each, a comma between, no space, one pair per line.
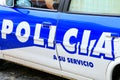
(86,43)
(30,36)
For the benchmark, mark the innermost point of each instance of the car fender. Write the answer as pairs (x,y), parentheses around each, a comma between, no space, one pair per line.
(111,67)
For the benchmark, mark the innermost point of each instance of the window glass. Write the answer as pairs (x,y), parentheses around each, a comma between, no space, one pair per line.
(95,6)
(47,4)
(2,2)
(6,3)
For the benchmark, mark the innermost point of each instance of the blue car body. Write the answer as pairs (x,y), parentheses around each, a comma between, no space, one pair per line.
(81,43)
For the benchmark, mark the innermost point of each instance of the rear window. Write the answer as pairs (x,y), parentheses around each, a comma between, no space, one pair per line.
(109,7)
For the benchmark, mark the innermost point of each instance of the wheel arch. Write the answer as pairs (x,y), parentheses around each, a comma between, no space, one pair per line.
(111,68)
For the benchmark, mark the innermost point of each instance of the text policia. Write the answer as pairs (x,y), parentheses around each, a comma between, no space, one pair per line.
(104,47)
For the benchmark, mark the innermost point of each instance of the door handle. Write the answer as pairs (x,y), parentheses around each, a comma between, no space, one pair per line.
(115,35)
(46,24)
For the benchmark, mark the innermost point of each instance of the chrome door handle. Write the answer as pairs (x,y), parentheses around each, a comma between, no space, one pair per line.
(115,35)
(46,24)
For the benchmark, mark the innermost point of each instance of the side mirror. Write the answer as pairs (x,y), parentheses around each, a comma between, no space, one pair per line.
(10,3)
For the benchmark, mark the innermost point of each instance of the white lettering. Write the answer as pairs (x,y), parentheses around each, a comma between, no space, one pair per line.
(37,39)
(103,46)
(7,28)
(51,38)
(66,40)
(23,37)
(85,40)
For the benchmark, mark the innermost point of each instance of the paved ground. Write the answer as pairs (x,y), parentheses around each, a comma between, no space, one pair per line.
(12,71)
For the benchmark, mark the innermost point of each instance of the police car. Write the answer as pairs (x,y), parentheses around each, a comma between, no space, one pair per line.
(75,39)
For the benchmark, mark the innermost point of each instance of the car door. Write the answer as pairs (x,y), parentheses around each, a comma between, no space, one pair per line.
(28,33)
(88,37)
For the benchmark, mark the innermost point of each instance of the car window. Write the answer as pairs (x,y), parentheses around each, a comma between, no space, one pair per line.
(47,4)
(2,2)
(95,6)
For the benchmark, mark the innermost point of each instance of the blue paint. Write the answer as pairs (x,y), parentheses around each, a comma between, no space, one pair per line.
(63,21)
